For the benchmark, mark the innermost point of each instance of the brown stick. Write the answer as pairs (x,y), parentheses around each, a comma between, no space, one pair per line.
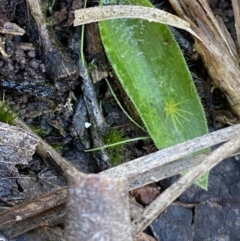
(30,215)
(97,209)
(59,66)
(236,11)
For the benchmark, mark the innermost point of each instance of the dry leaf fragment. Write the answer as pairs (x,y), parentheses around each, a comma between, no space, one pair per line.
(84,16)
(16,147)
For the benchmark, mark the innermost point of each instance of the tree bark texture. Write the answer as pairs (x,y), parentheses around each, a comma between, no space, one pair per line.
(97,209)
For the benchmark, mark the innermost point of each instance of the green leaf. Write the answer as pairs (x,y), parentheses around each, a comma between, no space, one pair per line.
(155,76)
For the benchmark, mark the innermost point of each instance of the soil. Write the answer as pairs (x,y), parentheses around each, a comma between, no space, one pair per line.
(52,102)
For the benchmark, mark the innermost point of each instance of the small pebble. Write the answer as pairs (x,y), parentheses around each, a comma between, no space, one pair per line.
(32,54)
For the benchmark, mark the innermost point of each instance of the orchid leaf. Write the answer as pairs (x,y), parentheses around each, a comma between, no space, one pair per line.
(152,70)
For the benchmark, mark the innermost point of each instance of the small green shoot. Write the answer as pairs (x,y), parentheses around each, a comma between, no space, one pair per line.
(6,113)
(39,131)
(116,152)
(50,9)
(121,107)
(91,66)
(115,144)
(118,143)
(58,147)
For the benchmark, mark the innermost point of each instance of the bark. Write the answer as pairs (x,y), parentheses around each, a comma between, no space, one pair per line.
(46,209)
(97,209)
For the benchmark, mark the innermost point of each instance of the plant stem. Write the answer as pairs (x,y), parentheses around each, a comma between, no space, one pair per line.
(121,107)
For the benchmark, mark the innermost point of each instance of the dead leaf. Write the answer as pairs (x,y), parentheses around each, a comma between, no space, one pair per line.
(16,147)
(218,52)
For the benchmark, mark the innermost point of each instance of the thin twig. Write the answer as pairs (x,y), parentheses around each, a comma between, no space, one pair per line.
(96,14)
(145,166)
(30,215)
(99,127)
(209,15)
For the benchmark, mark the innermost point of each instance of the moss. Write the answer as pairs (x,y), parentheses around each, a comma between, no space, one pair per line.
(116,153)
(58,147)
(6,113)
(39,131)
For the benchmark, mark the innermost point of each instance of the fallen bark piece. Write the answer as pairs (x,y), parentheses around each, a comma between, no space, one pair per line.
(30,215)
(47,152)
(97,209)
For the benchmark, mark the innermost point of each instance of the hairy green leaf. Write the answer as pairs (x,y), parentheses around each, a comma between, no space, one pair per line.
(154,74)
